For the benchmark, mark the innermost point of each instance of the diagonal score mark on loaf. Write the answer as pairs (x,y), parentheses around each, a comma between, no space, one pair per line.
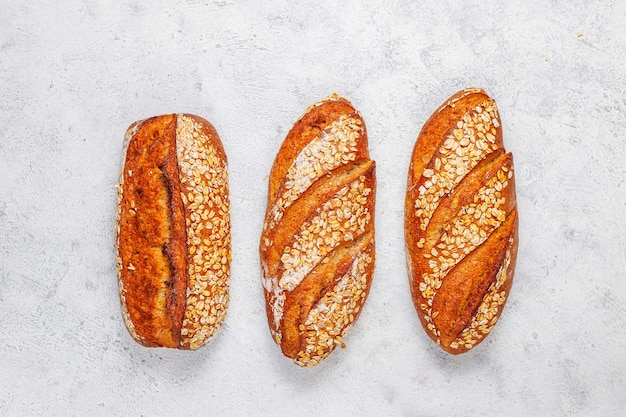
(302,209)
(317,283)
(337,144)
(319,207)
(204,189)
(310,232)
(464,334)
(340,303)
(338,220)
(328,236)
(470,140)
(460,242)
(312,126)
(313,148)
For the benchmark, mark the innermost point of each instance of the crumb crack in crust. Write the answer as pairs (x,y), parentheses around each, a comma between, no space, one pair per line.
(173,284)
(461,221)
(317,245)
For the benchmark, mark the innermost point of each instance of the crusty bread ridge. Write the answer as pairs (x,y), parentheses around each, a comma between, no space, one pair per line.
(461,221)
(317,245)
(173,232)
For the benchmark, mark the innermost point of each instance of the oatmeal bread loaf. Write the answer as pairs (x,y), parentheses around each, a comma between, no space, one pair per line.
(317,245)
(173,232)
(461,221)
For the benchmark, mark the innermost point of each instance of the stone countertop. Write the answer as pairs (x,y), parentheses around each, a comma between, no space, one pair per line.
(74,75)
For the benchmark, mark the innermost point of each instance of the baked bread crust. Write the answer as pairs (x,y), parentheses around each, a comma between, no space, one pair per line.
(317,245)
(461,221)
(173,232)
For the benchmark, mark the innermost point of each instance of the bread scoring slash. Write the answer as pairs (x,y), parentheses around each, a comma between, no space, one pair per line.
(173,232)
(317,245)
(461,221)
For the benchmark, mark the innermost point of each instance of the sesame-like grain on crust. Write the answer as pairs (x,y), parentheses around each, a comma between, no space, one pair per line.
(334,313)
(471,227)
(341,219)
(338,220)
(452,102)
(204,192)
(334,146)
(470,141)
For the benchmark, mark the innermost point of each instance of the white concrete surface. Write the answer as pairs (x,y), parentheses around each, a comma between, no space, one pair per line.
(75,74)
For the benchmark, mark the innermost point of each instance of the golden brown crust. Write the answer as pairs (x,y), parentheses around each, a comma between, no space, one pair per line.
(317,246)
(147,228)
(156,229)
(307,203)
(461,221)
(309,126)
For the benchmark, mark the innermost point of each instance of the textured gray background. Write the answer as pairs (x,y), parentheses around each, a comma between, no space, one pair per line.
(74,75)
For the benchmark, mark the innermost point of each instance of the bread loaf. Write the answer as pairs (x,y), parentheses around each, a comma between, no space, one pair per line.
(461,221)
(317,245)
(173,232)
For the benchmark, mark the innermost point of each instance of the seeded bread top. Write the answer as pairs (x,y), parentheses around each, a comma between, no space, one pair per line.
(460,201)
(317,246)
